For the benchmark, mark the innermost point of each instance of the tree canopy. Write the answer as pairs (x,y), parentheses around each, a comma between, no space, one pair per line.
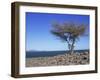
(68,32)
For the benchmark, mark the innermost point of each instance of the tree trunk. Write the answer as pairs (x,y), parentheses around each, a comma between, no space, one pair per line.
(72,46)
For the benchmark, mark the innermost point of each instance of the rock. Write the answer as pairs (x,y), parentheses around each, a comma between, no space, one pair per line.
(66,59)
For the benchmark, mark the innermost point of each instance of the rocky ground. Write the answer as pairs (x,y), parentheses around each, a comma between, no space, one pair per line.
(66,59)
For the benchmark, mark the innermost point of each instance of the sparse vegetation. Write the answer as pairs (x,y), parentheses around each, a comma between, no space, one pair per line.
(68,32)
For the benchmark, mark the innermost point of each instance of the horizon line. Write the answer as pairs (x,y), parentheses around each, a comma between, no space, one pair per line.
(55,50)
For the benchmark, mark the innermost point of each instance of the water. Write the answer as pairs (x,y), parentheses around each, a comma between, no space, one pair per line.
(30,54)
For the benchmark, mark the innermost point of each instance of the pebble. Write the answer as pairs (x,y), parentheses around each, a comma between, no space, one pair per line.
(66,59)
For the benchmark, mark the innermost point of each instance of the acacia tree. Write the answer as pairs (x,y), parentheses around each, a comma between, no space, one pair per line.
(68,32)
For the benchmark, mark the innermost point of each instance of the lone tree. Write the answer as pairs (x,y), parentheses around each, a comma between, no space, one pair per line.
(68,32)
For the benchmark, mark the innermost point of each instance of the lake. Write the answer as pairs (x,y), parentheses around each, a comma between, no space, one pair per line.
(30,54)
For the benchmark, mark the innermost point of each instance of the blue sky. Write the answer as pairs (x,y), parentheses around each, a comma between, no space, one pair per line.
(39,37)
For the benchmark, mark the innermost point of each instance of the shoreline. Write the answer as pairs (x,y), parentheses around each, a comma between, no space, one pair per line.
(31,54)
(64,59)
